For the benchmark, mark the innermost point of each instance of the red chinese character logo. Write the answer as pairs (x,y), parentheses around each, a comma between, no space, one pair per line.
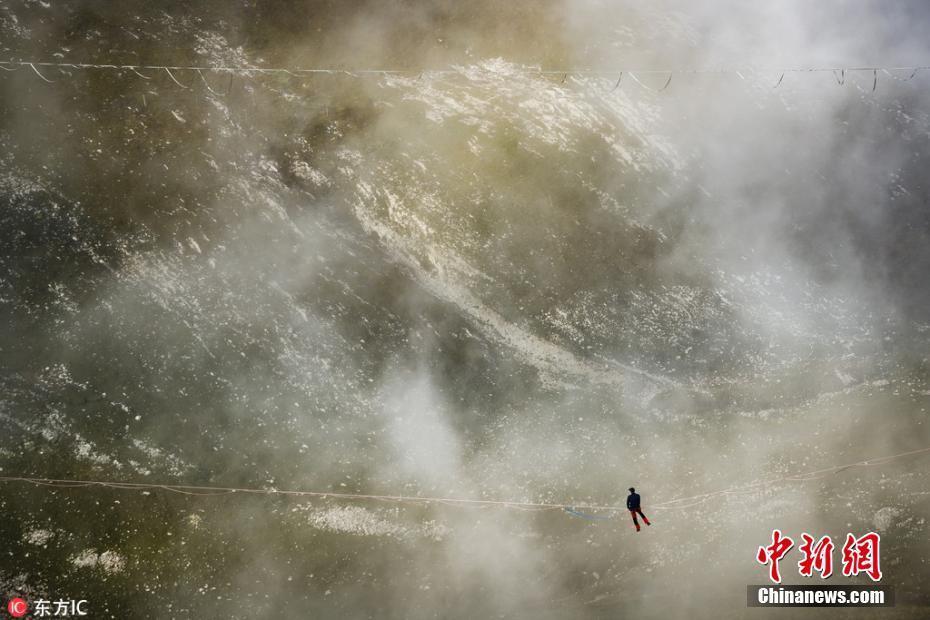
(773,553)
(817,557)
(860,555)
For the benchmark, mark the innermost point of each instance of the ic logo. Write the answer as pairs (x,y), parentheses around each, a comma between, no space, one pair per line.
(17,607)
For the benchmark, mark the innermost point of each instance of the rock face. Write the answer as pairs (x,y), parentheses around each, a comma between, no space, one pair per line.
(483,282)
(885,518)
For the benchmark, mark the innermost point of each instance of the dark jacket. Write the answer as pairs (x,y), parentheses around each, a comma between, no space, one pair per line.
(632,502)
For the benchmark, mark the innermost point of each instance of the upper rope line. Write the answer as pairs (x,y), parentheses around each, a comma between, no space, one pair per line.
(674,504)
(839,73)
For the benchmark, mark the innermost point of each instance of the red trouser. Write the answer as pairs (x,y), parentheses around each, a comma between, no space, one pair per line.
(638,511)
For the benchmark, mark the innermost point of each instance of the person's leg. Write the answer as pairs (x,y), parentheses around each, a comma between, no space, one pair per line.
(645,520)
(635,522)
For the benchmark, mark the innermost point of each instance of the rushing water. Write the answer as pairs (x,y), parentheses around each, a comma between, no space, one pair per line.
(484,283)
